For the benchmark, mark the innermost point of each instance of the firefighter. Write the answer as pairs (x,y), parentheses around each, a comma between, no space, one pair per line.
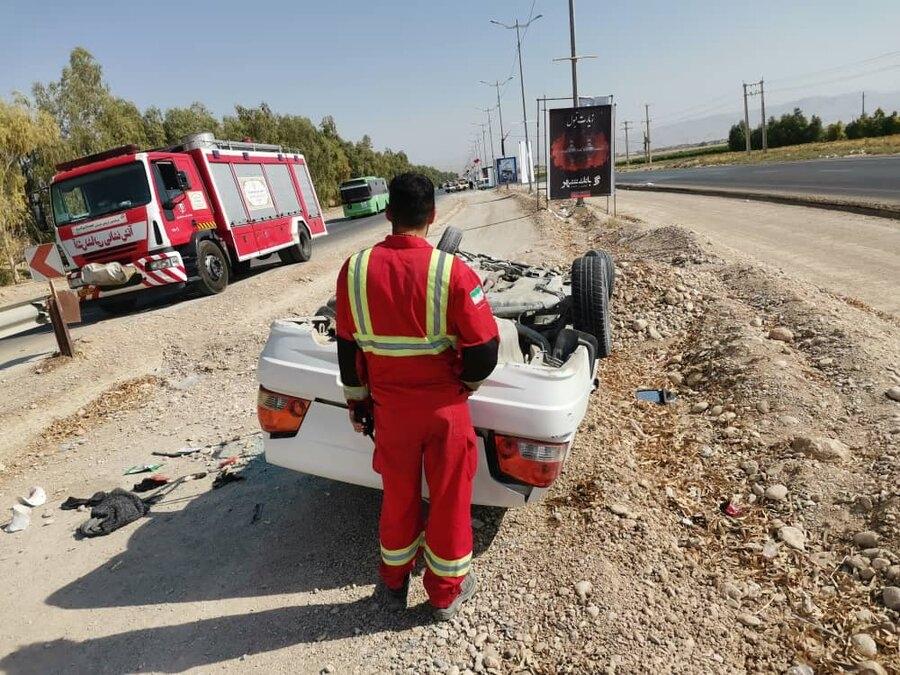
(415,338)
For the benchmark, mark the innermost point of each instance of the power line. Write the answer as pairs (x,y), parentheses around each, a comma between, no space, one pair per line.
(837,79)
(834,68)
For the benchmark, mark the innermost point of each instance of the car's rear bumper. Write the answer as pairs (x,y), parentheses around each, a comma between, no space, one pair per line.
(327,446)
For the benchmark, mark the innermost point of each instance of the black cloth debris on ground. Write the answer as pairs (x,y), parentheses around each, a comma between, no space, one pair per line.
(150,483)
(117,508)
(74,502)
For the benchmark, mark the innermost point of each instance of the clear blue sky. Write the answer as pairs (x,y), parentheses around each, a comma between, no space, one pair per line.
(407,72)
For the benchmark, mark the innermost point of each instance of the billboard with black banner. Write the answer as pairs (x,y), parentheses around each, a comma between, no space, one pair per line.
(581,152)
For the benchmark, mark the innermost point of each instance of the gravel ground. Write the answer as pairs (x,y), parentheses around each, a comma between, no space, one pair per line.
(750,526)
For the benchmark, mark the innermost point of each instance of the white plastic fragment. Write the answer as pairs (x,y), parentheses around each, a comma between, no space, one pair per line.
(36,497)
(20,520)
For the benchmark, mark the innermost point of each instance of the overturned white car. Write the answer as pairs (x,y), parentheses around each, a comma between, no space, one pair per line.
(553,327)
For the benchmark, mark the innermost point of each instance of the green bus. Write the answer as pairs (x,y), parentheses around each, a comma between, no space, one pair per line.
(364,196)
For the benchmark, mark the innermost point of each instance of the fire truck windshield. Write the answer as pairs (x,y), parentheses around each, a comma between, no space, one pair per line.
(96,194)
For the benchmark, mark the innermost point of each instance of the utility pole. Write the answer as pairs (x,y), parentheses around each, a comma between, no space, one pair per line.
(537,138)
(762,105)
(574,58)
(490,126)
(746,119)
(518,26)
(627,156)
(497,85)
(647,134)
(864,104)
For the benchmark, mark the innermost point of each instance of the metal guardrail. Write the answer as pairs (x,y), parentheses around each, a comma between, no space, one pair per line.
(23,316)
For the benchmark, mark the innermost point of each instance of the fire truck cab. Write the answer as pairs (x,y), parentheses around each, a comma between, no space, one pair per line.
(197,212)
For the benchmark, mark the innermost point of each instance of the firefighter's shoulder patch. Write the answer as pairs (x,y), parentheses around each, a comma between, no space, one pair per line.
(477,295)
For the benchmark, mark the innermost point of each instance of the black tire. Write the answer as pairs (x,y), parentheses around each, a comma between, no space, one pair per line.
(590,301)
(610,268)
(298,252)
(118,304)
(212,267)
(450,240)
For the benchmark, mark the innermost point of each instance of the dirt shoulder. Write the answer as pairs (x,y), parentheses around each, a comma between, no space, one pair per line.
(749,527)
(852,256)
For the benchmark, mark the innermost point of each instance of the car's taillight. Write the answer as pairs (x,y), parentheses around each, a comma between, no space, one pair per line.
(533,462)
(280,413)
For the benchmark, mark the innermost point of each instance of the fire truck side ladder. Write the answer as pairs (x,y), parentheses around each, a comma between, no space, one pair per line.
(207,141)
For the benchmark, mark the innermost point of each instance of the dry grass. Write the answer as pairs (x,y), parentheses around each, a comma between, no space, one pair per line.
(128,394)
(883,145)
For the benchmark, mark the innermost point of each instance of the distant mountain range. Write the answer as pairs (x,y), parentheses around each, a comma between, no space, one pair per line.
(845,107)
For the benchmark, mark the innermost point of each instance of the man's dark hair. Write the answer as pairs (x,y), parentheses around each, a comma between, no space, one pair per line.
(411,200)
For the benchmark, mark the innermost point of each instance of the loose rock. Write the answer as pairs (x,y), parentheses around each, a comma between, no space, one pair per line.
(749,620)
(891,597)
(867,539)
(793,537)
(864,645)
(776,493)
(583,589)
(870,668)
(893,393)
(822,448)
(781,334)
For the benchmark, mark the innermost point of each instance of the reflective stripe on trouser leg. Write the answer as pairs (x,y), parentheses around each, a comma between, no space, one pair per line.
(401,556)
(447,568)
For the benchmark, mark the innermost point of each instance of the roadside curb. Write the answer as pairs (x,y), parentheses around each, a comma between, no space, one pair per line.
(863,208)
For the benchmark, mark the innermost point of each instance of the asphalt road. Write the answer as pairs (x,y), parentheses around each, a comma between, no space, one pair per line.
(870,178)
(39,342)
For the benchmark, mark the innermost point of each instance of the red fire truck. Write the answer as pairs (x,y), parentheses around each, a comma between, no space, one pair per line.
(195,213)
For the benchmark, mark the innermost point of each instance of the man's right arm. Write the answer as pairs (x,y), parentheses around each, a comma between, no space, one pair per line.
(348,350)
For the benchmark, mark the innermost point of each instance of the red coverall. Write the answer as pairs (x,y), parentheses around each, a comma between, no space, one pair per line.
(411,308)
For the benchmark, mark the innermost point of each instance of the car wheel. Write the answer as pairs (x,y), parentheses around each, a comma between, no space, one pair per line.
(590,300)
(450,240)
(118,304)
(610,268)
(298,252)
(212,267)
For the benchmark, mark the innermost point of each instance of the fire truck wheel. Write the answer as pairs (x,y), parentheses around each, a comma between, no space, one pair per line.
(118,304)
(212,268)
(298,252)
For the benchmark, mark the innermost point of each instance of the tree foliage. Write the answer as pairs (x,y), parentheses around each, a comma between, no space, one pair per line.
(78,115)
(25,133)
(794,129)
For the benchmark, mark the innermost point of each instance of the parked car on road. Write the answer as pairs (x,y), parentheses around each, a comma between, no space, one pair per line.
(554,325)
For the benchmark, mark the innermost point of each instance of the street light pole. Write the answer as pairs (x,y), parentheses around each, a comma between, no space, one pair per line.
(572,49)
(517,26)
(497,85)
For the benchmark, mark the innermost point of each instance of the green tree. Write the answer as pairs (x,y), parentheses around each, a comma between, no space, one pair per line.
(24,133)
(835,132)
(181,122)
